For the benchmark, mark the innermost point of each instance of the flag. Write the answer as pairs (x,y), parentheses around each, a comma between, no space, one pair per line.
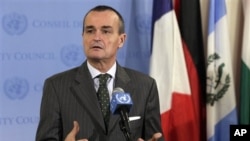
(168,67)
(191,33)
(245,68)
(221,101)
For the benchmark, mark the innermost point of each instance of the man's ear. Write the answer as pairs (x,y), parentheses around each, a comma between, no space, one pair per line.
(122,40)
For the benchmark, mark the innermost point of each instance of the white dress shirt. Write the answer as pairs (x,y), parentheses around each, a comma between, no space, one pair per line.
(94,73)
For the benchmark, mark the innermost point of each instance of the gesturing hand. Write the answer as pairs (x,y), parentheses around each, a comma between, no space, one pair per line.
(72,134)
(155,137)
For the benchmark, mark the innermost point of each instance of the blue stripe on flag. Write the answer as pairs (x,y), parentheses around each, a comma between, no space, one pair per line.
(160,8)
(217,10)
(222,128)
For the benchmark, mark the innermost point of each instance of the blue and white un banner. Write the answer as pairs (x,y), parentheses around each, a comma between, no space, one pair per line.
(40,38)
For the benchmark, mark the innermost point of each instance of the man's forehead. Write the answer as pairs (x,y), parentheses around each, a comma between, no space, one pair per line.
(104,19)
(106,15)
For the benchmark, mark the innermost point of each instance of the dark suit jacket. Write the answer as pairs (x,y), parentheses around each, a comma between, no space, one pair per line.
(71,95)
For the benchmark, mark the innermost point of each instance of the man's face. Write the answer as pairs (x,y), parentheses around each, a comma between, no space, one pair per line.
(101,38)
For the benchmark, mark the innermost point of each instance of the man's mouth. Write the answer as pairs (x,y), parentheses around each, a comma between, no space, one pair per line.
(97,47)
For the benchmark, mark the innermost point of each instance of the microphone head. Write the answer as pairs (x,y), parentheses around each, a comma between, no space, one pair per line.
(117,90)
(120,99)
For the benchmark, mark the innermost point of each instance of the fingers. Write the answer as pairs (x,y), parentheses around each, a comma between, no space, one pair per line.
(72,134)
(76,128)
(156,136)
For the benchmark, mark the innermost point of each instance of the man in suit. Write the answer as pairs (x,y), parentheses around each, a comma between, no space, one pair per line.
(70,108)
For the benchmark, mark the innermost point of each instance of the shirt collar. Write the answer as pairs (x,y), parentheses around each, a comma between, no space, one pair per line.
(94,72)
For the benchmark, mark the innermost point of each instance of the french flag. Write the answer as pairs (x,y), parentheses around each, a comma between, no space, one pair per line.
(221,100)
(169,68)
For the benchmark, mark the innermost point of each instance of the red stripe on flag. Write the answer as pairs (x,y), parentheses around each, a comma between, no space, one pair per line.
(178,123)
(194,82)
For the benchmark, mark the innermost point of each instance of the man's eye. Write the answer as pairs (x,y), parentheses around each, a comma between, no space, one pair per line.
(106,31)
(89,31)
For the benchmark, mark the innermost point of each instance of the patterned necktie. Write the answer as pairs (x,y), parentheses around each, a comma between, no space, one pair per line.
(103,96)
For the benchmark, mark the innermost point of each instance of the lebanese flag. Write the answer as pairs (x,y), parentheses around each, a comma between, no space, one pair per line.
(245,68)
(168,67)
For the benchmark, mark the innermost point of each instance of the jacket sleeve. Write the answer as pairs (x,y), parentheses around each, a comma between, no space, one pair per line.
(152,113)
(49,127)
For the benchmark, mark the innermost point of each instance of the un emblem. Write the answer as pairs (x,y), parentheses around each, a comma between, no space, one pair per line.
(72,55)
(14,24)
(123,98)
(16,88)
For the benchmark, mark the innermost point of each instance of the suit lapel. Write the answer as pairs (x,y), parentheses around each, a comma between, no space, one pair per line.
(85,94)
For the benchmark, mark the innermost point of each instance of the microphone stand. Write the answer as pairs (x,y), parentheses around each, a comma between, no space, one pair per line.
(124,125)
(125,131)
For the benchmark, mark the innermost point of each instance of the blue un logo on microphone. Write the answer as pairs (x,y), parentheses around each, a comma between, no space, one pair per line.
(123,98)
(14,24)
(120,99)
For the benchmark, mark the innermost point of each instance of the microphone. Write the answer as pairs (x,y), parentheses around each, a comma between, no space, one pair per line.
(121,103)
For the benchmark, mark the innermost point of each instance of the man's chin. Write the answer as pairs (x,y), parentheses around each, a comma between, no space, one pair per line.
(95,59)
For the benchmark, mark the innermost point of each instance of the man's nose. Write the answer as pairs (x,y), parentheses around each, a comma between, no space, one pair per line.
(97,36)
